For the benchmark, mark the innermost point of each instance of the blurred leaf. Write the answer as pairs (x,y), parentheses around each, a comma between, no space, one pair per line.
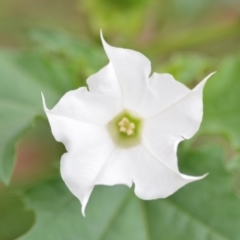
(14,219)
(234,167)
(116,16)
(210,36)
(222,102)
(189,69)
(82,58)
(61,43)
(197,211)
(20,99)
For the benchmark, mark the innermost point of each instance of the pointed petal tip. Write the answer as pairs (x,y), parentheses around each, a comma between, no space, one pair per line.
(42,95)
(208,76)
(104,43)
(83,209)
(84,200)
(204,175)
(204,81)
(101,36)
(193,178)
(43,102)
(83,212)
(107,47)
(199,178)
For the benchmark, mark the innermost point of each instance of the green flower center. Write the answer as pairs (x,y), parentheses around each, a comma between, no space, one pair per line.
(125,129)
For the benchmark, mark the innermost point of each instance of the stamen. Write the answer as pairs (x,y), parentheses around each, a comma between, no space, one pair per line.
(125,126)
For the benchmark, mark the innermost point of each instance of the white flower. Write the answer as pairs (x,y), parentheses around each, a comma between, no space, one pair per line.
(126,128)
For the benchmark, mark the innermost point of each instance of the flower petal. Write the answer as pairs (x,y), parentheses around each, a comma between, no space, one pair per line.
(152,178)
(162,91)
(88,146)
(181,119)
(99,105)
(132,70)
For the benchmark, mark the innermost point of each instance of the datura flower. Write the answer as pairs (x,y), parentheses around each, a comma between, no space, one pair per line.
(125,128)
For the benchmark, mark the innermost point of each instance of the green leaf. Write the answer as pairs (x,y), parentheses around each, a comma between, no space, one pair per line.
(222,102)
(83,58)
(22,78)
(188,68)
(14,219)
(107,12)
(203,210)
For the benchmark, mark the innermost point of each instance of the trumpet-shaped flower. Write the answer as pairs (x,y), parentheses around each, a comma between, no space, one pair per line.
(125,128)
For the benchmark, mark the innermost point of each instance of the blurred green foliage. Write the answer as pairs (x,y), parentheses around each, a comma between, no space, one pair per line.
(130,15)
(53,46)
(12,213)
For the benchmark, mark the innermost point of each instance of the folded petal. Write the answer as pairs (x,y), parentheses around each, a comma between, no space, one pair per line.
(88,145)
(182,119)
(99,105)
(132,70)
(162,91)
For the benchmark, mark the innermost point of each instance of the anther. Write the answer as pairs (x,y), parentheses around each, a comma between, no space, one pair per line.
(125,126)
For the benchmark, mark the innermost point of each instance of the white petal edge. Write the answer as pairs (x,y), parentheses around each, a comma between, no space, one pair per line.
(88,145)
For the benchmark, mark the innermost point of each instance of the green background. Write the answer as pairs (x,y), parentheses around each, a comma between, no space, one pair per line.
(53,46)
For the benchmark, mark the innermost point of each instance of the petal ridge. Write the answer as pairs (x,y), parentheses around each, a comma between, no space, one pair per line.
(64,116)
(200,85)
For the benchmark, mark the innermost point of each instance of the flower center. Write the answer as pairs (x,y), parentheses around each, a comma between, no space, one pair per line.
(125,126)
(125,129)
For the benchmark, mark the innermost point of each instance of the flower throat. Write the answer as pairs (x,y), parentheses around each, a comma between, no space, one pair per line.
(125,129)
